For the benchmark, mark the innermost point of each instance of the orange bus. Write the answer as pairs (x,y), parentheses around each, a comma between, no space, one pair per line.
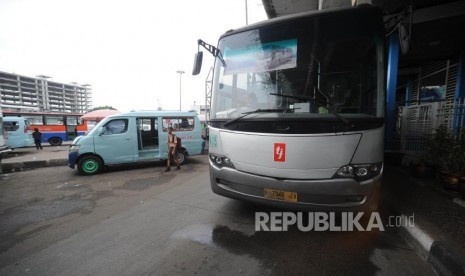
(55,127)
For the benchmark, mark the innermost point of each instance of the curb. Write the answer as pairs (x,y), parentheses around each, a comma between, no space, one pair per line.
(29,165)
(446,257)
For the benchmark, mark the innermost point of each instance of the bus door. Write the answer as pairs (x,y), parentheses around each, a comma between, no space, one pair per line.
(71,123)
(147,138)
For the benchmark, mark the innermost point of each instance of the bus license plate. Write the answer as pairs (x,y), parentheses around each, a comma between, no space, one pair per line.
(280,195)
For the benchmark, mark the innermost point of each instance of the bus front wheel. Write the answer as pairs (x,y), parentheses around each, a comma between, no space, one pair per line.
(89,165)
(55,141)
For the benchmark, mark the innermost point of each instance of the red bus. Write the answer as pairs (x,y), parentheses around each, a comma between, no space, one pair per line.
(55,127)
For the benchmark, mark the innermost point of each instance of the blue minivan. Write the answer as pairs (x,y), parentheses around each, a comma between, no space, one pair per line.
(17,132)
(134,137)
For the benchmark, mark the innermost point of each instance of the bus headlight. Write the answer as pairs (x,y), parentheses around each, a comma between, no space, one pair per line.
(221,161)
(74,148)
(359,172)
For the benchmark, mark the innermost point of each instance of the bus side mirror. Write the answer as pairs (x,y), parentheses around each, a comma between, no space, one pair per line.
(197,63)
(100,131)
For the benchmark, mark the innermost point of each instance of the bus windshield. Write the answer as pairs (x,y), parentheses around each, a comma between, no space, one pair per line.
(310,67)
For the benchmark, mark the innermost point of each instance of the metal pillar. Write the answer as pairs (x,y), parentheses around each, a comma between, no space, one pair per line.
(459,93)
(208,94)
(392,71)
(408,93)
(180,72)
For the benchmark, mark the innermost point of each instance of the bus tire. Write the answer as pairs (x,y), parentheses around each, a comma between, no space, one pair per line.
(55,141)
(90,165)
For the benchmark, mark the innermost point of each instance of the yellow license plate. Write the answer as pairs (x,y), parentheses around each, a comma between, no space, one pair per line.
(280,195)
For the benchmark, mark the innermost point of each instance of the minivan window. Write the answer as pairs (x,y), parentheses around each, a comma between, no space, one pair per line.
(10,126)
(179,123)
(117,126)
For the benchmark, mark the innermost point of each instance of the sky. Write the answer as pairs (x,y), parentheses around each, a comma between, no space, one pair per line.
(129,51)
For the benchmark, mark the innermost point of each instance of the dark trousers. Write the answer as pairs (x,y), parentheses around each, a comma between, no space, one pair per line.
(38,143)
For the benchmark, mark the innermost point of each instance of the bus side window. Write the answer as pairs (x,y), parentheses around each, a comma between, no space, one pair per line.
(35,119)
(72,120)
(54,120)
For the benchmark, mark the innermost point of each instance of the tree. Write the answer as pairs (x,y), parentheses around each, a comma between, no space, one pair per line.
(102,107)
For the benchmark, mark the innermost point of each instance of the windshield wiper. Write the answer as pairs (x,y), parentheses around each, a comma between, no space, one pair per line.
(245,114)
(328,106)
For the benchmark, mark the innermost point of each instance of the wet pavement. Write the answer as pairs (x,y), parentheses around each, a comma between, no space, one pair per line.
(139,221)
(428,199)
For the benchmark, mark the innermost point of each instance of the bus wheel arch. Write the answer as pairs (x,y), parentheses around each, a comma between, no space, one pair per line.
(89,164)
(55,141)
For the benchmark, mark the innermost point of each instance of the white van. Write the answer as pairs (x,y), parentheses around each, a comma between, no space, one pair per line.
(134,137)
(17,132)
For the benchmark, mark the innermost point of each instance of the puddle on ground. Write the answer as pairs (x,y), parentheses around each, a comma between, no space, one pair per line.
(211,235)
(293,251)
(201,233)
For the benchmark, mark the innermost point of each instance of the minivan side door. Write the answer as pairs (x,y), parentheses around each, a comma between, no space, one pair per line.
(115,143)
(147,137)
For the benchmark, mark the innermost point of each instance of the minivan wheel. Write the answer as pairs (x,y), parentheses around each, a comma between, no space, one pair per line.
(55,141)
(180,157)
(89,165)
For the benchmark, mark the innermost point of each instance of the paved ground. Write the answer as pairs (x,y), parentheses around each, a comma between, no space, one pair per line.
(137,221)
(29,158)
(32,154)
(424,198)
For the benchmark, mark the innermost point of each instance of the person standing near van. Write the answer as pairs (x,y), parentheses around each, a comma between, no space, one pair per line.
(37,135)
(205,138)
(172,144)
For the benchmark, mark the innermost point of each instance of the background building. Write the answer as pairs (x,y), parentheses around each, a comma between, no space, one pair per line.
(202,111)
(24,93)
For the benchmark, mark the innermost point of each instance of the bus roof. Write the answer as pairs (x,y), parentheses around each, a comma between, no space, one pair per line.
(301,15)
(12,118)
(19,113)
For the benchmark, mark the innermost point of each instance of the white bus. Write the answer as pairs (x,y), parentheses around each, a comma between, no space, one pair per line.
(304,129)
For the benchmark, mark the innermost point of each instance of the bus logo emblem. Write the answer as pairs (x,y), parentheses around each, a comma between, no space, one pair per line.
(279,152)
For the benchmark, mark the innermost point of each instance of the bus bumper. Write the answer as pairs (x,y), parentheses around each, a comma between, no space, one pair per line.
(72,156)
(344,194)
